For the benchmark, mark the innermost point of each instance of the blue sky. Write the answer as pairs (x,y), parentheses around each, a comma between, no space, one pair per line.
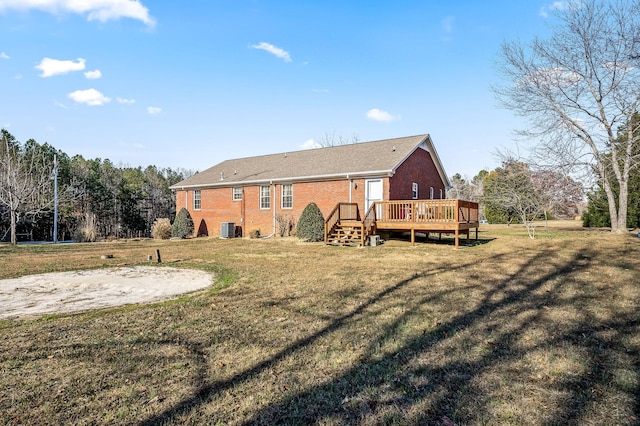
(190,84)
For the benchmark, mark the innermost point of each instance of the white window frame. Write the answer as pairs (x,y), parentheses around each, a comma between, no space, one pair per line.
(414,190)
(265,197)
(431,192)
(197,199)
(236,193)
(287,187)
(441,193)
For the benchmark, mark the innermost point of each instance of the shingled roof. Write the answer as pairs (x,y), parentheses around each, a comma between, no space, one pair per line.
(359,160)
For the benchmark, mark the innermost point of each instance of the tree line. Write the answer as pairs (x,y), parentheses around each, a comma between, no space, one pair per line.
(517,193)
(96,198)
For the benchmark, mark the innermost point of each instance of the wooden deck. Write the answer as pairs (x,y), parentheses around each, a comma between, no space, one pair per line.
(455,217)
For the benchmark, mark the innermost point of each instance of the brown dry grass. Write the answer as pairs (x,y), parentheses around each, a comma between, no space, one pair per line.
(506,331)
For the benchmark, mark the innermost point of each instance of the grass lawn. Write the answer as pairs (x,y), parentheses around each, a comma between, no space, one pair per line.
(506,331)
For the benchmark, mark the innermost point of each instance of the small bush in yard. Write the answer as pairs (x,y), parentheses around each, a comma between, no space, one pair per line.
(182,225)
(161,229)
(254,233)
(285,224)
(311,224)
(87,230)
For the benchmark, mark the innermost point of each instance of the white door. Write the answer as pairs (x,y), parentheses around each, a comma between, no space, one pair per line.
(373,192)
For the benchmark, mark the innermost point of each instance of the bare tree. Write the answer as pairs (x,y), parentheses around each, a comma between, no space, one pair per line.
(25,180)
(328,140)
(510,192)
(466,189)
(563,194)
(577,88)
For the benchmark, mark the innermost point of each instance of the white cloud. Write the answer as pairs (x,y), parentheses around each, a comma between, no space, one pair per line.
(95,10)
(310,144)
(3,55)
(154,110)
(376,114)
(553,77)
(50,67)
(556,5)
(125,101)
(93,75)
(280,53)
(91,97)
(60,105)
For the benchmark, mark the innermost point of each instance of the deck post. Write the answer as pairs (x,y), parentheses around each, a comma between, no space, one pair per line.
(413,237)
(457,238)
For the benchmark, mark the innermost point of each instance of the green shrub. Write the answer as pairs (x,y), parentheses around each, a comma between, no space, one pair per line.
(161,229)
(182,225)
(311,224)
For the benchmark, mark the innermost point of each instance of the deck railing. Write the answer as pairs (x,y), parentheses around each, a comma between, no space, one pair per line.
(403,212)
(427,211)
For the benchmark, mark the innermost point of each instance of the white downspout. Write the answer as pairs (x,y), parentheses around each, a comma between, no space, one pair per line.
(275,198)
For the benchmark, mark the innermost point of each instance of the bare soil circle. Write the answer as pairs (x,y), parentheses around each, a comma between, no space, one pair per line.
(75,291)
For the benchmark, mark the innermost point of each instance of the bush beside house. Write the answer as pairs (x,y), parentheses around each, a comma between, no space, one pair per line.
(182,225)
(311,224)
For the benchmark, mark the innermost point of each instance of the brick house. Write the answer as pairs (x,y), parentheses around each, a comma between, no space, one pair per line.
(254,192)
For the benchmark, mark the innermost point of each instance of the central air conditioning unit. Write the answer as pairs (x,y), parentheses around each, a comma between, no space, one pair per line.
(227,230)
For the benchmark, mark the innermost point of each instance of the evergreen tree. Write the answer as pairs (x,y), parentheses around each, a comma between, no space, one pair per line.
(311,224)
(597,212)
(183,225)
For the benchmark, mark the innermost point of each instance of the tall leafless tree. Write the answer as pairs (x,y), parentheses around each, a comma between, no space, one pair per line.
(26,187)
(331,139)
(578,87)
(511,189)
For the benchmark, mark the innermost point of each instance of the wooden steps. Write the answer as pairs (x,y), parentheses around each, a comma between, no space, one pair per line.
(346,233)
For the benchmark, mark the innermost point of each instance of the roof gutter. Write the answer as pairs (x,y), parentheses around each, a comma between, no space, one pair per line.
(314,178)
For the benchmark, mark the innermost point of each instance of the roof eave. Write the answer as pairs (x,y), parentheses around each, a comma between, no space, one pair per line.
(296,179)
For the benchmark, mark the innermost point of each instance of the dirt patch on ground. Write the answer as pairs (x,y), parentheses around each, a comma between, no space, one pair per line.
(94,289)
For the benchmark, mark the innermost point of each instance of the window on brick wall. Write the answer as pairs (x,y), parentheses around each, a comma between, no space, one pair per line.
(441,193)
(287,196)
(237,193)
(431,193)
(265,197)
(414,190)
(196,199)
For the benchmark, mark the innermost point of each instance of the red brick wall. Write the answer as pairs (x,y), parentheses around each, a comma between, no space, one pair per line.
(217,205)
(419,168)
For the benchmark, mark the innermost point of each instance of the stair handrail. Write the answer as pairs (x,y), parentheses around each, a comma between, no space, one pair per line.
(335,216)
(369,221)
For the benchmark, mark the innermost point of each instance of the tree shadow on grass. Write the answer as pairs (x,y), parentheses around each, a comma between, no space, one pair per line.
(454,369)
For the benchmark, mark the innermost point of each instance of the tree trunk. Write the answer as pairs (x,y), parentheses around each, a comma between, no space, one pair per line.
(621,225)
(14,237)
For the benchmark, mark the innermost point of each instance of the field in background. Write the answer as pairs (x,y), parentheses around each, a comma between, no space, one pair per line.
(507,330)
